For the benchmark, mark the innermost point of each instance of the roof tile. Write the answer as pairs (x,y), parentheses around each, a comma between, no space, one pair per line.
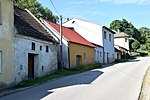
(28,26)
(71,35)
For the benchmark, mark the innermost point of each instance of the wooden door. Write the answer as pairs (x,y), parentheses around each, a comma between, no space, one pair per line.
(30,66)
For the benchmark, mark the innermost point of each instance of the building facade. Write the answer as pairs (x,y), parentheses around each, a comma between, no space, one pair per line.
(76,49)
(95,34)
(35,50)
(121,41)
(6,43)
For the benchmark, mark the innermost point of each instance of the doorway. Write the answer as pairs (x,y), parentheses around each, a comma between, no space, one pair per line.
(30,66)
(78,60)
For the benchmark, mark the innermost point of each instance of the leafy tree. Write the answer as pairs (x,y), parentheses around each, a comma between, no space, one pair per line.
(145,31)
(37,9)
(116,25)
(126,27)
(135,45)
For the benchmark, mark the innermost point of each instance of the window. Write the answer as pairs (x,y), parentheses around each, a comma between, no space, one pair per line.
(105,34)
(84,55)
(33,46)
(126,39)
(47,49)
(0,62)
(100,53)
(40,48)
(97,55)
(109,37)
(0,14)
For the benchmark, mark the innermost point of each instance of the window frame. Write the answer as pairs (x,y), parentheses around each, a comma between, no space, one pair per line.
(126,39)
(40,48)
(33,46)
(47,48)
(105,35)
(109,37)
(84,55)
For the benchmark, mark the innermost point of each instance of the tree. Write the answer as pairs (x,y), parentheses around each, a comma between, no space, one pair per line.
(37,9)
(126,27)
(135,45)
(116,25)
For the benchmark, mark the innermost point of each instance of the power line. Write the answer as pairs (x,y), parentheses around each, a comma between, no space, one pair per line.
(54,7)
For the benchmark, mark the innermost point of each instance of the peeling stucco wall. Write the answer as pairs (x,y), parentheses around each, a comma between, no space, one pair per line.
(47,60)
(6,43)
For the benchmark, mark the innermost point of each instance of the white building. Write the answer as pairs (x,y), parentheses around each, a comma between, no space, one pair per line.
(101,36)
(121,41)
(35,49)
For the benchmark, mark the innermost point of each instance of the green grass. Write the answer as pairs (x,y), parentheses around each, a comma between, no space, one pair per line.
(57,74)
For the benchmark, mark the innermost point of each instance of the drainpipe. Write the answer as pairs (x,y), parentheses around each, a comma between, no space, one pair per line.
(103,46)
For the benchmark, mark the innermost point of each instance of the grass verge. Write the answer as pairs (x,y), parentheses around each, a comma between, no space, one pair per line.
(57,74)
(145,89)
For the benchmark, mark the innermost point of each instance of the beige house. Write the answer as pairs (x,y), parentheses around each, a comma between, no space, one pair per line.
(121,41)
(6,43)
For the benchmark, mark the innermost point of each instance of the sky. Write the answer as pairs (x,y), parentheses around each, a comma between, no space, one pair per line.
(103,12)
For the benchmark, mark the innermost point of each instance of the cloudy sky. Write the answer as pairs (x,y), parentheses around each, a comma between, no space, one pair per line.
(103,11)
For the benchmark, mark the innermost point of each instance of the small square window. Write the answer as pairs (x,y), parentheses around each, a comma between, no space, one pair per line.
(33,46)
(84,55)
(100,54)
(47,49)
(105,34)
(126,39)
(0,62)
(40,48)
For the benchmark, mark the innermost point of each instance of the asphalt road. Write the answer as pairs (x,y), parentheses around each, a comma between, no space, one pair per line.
(112,82)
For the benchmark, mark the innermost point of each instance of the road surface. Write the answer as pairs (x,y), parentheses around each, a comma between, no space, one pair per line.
(114,82)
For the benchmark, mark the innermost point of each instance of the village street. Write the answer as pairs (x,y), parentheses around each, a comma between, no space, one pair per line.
(120,81)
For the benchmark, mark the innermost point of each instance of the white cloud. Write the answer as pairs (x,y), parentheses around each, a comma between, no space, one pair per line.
(139,2)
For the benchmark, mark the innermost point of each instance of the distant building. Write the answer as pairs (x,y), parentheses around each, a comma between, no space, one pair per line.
(121,43)
(100,35)
(76,49)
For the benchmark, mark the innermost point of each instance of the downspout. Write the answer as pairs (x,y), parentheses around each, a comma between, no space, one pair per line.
(103,46)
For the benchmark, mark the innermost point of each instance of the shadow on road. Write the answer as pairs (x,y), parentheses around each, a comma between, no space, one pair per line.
(77,79)
(41,91)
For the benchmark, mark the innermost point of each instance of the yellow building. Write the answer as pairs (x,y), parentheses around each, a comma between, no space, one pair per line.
(76,49)
(80,54)
(6,43)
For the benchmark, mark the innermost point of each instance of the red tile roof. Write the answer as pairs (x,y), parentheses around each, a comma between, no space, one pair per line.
(71,35)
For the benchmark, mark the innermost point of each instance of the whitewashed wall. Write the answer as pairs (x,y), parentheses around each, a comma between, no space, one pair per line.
(121,42)
(109,47)
(64,44)
(98,54)
(90,31)
(22,46)
(94,34)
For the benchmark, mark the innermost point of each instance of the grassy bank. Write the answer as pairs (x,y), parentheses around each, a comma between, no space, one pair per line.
(145,91)
(57,74)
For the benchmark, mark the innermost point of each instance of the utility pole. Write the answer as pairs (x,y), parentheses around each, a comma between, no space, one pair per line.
(61,44)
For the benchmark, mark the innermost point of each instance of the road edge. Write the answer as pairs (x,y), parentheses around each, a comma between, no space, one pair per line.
(145,89)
